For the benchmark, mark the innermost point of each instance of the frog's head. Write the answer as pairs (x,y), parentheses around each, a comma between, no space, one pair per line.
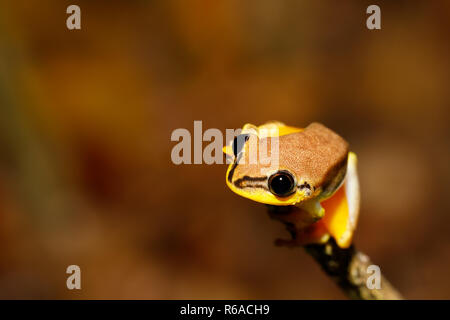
(299,164)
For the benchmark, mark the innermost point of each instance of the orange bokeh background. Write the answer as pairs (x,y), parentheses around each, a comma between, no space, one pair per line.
(86,118)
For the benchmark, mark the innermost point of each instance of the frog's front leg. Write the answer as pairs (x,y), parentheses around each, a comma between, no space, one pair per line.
(304,225)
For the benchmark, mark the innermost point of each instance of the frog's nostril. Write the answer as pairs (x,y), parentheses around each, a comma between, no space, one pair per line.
(305,185)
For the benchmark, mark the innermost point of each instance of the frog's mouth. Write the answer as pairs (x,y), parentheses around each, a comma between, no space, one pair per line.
(256,189)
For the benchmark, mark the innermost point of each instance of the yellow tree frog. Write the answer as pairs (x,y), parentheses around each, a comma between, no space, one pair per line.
(313,186)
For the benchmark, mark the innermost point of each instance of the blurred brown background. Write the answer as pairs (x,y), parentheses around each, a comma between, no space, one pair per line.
(86,117)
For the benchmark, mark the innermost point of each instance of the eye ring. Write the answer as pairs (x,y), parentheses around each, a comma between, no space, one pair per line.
(282,183)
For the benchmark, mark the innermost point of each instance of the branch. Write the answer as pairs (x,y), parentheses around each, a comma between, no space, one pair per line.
(347,267)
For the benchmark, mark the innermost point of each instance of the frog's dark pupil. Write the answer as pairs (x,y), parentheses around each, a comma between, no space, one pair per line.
(238,143)
(281,184)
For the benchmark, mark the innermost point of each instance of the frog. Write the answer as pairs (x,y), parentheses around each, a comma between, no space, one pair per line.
(312,187)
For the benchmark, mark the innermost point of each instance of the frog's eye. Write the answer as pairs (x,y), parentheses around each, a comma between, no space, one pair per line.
(239,142)
(282,183)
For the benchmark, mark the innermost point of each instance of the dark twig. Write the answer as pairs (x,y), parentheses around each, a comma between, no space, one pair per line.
(347,267)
